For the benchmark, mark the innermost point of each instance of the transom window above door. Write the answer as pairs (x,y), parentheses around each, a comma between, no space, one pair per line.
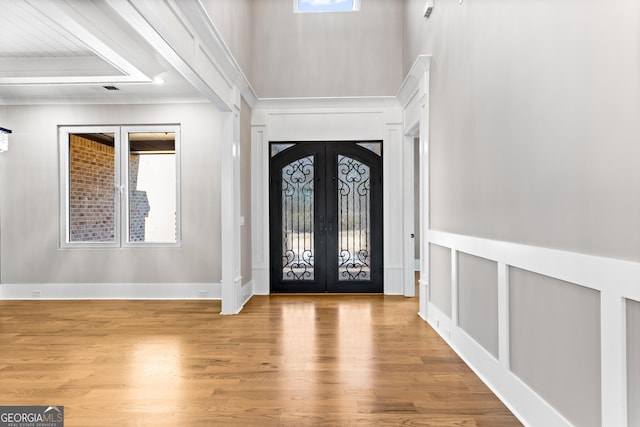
(119,186)
(314,6)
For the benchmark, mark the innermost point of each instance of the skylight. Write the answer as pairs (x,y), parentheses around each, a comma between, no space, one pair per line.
(311,6)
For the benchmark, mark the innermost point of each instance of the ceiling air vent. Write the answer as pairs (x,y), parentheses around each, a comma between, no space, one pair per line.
(111,88)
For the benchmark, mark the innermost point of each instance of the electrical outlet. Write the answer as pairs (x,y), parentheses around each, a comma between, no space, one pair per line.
(36,294)
(202,293)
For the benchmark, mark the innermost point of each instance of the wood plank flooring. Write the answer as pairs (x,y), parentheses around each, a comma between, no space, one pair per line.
(313,360)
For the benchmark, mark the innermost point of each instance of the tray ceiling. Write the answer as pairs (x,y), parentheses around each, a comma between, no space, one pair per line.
(67,50)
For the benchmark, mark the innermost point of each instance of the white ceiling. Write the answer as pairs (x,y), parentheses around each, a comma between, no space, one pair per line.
(65,51)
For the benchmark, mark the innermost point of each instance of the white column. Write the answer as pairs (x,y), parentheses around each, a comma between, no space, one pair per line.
(392,162)
(260,203)
(230,209)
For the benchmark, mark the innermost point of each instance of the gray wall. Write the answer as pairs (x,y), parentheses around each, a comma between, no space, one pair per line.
(533,128)
(440,277)
(245,189)
(326,54)
(478,300)
(233,19)
(554,334)
(633,362)
(29,206)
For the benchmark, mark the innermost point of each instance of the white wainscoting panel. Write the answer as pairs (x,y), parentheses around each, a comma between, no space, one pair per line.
(616,281)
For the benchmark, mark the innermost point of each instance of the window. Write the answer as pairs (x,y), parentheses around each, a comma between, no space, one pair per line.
(310,6)
(120,186)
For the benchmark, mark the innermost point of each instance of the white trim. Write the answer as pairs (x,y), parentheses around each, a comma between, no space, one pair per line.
(166,31)
(392,210)
(393,280)
(230,211)
(121,181)
(408,231)
(618,276)
(260,278)
(247,292)
(529,408)
(503,316)
(124,171)
(616,280)
(64,135)
(260,210)
(455,321)
(326,119)
(613,341)
(211,39)
(353,102)
(110,291)
(77,31)
(413,95)
(411,83)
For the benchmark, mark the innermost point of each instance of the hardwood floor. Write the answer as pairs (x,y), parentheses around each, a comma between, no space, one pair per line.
(291,360)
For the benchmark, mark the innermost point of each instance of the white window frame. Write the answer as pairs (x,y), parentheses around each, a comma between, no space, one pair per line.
(121,185)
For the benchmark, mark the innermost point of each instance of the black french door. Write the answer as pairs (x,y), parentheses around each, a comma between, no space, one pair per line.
(326,217)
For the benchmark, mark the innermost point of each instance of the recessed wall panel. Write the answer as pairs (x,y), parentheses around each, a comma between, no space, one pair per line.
(554,333)
(440,277)
(633,362)
(245,183)
(478,300)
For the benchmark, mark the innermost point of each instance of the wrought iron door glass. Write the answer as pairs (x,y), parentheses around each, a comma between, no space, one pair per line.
(354,219)
(297,220)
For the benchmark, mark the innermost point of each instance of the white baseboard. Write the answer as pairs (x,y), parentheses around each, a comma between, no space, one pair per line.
(522,401)
(260,280)
(247,292)
(111,291)
(393,280)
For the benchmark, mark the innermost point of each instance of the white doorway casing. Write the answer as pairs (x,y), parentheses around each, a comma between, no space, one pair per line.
(331,119)
(414,98)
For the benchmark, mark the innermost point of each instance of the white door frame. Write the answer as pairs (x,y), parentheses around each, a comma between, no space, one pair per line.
(409,231)
(414,97)
(329,119)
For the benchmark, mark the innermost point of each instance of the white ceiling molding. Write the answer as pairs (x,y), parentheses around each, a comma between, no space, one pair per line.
(406,91)
(329,102)
(175,39)
(212,41)
(102,65)
(37,70)
(65,51)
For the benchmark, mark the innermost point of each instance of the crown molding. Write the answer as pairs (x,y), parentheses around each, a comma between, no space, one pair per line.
(327,102)
(407,90)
